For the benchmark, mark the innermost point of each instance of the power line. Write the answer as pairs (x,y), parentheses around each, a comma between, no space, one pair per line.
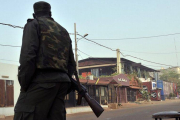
(154,66)
(8,60)
(144,60)
(141,37)
(80,55)
(8,45)
(133,57)
(84,53)
(14,26)
(150,52)
(97,43)
(176,52)
(103,45)
(136,58)
(154,36)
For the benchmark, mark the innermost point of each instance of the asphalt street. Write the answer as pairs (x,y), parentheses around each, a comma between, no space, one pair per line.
(143,112)
(128,111)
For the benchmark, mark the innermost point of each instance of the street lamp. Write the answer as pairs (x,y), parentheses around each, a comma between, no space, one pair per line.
(81,37)
(76,56)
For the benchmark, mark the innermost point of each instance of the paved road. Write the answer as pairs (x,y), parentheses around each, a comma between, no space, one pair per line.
(143,112)
(137,112)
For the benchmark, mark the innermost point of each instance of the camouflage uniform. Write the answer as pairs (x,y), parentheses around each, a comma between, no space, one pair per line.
(47,61)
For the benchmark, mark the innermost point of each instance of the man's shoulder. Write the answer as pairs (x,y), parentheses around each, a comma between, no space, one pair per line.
(32,21)
(31,24)
(29,20)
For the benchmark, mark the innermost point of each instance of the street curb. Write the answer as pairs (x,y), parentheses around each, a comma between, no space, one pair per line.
(2,116)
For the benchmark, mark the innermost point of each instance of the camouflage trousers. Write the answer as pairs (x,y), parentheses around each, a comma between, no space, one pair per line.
(42,101)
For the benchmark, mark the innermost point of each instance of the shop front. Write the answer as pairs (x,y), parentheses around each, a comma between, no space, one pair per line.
(121,87)
(117,88)
(133,90)
(131,95)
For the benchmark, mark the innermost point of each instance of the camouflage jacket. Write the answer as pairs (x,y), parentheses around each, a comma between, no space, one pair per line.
(46,53)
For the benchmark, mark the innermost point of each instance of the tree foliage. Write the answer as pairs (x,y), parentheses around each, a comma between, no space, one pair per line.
(170,76)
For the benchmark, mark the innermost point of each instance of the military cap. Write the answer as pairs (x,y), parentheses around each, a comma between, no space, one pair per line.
(42,6)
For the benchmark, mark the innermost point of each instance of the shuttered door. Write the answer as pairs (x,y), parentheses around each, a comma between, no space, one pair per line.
(122,95)
(110,95)
(2,93)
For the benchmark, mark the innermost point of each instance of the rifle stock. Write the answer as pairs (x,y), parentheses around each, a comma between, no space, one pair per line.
(97,109)
(95,106)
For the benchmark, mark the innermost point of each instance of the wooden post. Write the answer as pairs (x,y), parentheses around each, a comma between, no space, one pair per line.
(118,61)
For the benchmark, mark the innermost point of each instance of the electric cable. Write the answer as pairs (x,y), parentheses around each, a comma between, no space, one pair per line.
(8,45)
(141,37)
(103,45)
(80,55)
(164,35)
(14,26)
(145,60)
(8,60)
(131,56)
(149,52)
(97,43)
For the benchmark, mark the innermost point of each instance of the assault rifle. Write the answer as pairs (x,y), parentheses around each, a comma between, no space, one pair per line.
(82,92)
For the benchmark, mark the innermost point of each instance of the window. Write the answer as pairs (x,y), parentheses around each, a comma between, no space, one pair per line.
(95,72)
(97,92)
(76,94)
(67,97)
(102,91)
(6,93)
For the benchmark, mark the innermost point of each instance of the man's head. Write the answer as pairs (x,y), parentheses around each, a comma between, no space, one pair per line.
(42,8)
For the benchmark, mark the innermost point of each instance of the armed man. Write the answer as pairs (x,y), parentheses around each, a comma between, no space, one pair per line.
(46,65)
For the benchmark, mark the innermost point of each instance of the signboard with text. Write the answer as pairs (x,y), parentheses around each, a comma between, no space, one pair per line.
(121,79)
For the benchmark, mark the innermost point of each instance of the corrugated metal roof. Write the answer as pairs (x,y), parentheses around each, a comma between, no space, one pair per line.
(102,61)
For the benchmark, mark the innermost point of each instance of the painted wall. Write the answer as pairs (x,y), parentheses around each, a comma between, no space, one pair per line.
(147,86)
(11,71)
(145,80)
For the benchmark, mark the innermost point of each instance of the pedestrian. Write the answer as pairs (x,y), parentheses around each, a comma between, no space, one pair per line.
(46,63)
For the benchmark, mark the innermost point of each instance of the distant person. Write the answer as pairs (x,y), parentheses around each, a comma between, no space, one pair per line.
(46,63)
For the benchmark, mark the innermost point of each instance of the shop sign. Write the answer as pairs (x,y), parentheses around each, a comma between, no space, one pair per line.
(122,80)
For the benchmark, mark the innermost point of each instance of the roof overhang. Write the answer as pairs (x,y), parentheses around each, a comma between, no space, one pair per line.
(135,87)
(93,66)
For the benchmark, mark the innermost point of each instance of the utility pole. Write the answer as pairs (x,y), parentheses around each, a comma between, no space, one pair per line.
(176,52)
(118,61)
(76,56)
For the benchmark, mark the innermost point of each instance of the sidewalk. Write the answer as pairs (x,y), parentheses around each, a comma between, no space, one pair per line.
(81,110)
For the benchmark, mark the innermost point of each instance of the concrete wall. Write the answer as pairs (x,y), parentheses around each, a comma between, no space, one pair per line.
(145,80)
(11,71)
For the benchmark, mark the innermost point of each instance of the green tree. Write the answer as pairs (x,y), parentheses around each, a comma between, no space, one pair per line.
(170,76)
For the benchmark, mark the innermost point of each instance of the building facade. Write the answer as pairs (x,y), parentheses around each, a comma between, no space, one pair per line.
(9,88)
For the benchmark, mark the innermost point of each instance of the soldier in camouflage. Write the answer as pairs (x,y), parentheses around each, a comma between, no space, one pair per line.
(46,63)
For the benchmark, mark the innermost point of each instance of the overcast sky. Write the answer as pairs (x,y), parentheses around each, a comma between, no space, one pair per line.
(104,19)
